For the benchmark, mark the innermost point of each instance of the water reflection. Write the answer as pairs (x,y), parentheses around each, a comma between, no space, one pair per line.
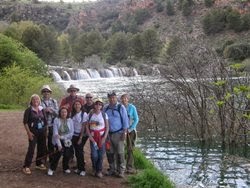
(191,164)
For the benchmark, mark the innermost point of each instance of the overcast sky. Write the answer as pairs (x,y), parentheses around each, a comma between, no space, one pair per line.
(67,1)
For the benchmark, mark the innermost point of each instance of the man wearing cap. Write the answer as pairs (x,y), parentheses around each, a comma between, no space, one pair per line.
(118,125)
(50,107)
(69,100)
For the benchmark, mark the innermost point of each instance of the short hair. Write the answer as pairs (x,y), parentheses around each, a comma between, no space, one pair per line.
(35,96)
(125,95)
(60,110)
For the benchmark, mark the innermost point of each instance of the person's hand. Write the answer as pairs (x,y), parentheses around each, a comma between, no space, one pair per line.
(59,148)
(123,136)
(30,135)
(103,140)
(79,141)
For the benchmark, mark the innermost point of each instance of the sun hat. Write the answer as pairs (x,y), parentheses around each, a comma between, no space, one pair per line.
(72,87)
(46,87)
(98,100)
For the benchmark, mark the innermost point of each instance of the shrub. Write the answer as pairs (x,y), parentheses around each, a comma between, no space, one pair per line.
(245,22)
(233,20)
(141,15)
(209,3)
(214,21)
(20,84)
(170,8)
(237,51)
(159,7)
(150,177)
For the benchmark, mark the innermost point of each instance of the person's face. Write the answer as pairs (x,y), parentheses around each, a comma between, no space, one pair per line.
(124,100)
(77,106)
(35,101)
(73,92)
(113,100)
(64,113)
(89,99)
(46,93)
(98,105)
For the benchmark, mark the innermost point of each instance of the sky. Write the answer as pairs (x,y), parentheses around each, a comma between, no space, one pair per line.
(68,1)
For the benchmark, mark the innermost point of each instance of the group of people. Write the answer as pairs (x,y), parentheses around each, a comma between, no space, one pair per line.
(64,130)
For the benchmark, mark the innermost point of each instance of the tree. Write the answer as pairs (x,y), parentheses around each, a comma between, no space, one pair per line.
(151,44)
(117,48)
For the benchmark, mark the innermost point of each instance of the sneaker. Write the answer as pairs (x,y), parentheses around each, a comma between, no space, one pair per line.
(99,175)
(50,172)
(110,173)
(67,171)
(82,173)
(26,170)
(41,167)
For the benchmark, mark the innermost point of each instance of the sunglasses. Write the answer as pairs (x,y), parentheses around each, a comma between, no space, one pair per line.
(46,91)
(99,104)
(72,91)
(89,97)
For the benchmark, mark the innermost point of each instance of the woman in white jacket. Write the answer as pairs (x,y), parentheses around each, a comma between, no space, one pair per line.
(63,130)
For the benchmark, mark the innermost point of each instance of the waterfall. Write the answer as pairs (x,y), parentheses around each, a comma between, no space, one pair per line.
(66,75)
(55,76)
(93,73)
(82,74)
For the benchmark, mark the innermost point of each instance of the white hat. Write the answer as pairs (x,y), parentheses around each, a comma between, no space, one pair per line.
(72,87)
(46,87)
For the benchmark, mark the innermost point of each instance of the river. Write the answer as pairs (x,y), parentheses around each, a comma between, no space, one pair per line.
(185,161)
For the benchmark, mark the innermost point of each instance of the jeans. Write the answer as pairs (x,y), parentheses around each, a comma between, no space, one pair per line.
(97,157)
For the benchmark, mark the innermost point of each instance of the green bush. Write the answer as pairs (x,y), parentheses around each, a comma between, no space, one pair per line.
(233,21)
(214,21)
(150,177)
(159,7)
(237,51)
(170,8)
(209,3)
(18,84)
(245,22)
(141,15)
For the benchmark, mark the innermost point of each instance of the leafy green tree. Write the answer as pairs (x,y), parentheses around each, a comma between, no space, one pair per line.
(12,51)
(65,48)
(136,46)
(233,20)
(141,15)
(170,8)
(151,44)
(117,48)
(20,84)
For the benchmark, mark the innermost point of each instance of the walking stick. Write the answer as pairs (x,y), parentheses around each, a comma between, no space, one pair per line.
(130,148)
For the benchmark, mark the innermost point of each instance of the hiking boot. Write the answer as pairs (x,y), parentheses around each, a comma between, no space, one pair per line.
(26,171)
(67,171)
(131,171)
(82,173)
(50,172)
(41,167)
(77,171)
(110,173)
(121,175)
(99,175)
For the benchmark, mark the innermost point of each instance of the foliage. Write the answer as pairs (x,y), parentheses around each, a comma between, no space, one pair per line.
(209,3)
(170,8)
(159,7)
(18,84)
(238,51)
(13,52)
(233,20)
(214,21)
(150,177)
(141,15)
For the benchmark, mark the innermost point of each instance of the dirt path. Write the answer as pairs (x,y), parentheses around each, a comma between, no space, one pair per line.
(13,142)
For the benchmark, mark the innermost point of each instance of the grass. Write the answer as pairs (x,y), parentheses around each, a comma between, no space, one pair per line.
(148,176)
(10,107)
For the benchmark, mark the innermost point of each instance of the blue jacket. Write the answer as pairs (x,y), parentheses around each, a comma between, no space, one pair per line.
(133,117)
(118,121)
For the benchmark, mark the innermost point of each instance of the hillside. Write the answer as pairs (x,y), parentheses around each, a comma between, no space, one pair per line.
(103,14)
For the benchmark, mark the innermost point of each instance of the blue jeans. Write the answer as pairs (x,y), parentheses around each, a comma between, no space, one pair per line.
(97,157)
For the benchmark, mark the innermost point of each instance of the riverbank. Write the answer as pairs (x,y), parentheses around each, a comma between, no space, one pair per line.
(13,147)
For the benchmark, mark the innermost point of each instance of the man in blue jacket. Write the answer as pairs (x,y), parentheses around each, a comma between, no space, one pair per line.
(118,125)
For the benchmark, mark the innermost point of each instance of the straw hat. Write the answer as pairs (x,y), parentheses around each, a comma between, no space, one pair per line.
(72,87)
(46,87)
